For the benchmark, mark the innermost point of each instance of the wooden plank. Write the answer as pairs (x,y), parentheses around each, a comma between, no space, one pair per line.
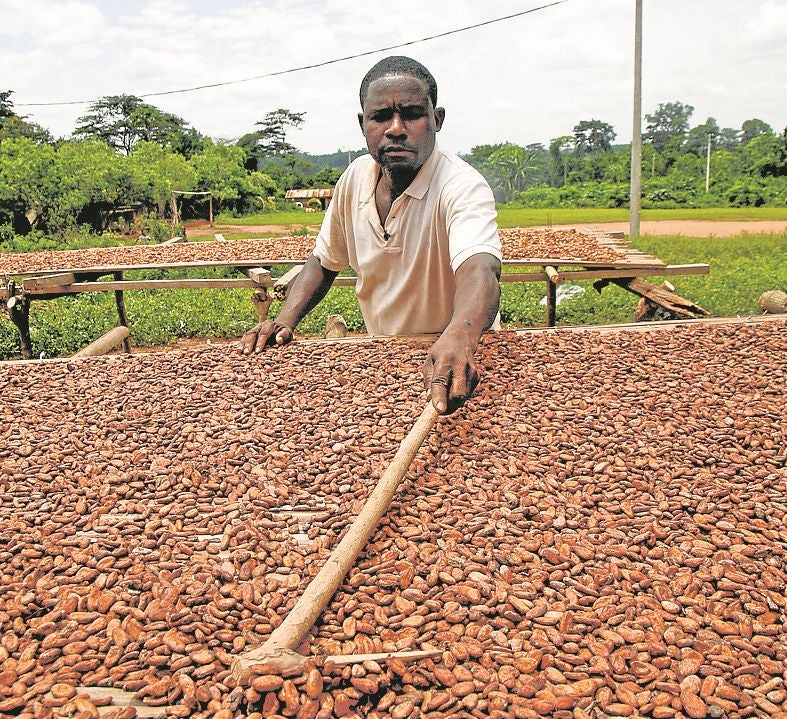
(49,281)
(679,306)
(105,343)
(608,273)
(108,269)
(286,278)
(637,264)
(257,274)
(79,287)
(669,270)
(341,660)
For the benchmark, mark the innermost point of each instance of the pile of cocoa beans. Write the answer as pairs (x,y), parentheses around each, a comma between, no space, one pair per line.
(566,244)
(518,243)
(599,532)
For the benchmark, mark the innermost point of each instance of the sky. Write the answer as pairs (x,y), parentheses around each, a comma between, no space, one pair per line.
(523,80)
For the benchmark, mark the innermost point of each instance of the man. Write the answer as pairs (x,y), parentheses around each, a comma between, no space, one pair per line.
(418,227)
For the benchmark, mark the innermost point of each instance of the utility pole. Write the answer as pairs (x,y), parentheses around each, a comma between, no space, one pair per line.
(635,190)
(707,164)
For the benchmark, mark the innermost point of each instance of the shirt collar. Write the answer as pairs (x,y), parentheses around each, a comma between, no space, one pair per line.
(423,179)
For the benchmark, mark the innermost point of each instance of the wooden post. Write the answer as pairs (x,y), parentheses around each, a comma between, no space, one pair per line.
(174,210)
(105,343)
(635,189)
(18,308)
(262,300)
(121,307)
(551,296)
(210,206)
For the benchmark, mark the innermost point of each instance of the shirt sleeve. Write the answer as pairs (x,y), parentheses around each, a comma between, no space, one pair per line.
(331,244)
(471,219)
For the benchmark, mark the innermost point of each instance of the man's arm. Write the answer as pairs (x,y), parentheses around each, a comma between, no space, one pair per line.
(309,287)
(449,371)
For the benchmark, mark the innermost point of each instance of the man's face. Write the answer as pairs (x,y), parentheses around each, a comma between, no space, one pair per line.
(400,122)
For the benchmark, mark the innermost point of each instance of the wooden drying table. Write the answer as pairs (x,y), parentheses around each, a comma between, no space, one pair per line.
(50,275)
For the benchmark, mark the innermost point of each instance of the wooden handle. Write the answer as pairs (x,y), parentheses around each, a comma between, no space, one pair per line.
(296,625)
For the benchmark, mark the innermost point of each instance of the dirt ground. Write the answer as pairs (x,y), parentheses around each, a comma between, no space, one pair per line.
(686,228)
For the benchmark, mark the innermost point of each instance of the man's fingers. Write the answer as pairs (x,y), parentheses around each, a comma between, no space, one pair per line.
(248,340)
(438,387)
(283,336)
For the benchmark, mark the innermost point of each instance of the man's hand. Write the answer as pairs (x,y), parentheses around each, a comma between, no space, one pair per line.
(450,373)
(269,332)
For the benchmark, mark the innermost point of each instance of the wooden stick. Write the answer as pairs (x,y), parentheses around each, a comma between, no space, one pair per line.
(279,649)
(106,342)
(415,655)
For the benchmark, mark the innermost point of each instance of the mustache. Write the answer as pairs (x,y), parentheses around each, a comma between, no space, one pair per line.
(397,146)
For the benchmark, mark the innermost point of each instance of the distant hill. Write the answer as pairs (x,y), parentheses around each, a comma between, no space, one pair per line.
(337,160)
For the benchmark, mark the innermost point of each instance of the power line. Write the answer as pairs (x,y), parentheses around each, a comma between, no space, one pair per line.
(308,67)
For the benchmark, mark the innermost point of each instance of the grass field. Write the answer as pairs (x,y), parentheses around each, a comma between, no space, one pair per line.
(528,217)
(742,268)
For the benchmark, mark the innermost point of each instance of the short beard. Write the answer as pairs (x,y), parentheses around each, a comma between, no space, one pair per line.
(401,174)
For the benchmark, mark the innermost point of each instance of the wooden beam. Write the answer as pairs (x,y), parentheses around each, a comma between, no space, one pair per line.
(259,275)
(415,655)
(677,305)
(612,273)
(58,280)
(79,287)
(551,273)
(281,285)
(105,343)
(257,262)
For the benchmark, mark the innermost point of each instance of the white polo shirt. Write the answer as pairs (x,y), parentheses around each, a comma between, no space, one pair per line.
(406,269)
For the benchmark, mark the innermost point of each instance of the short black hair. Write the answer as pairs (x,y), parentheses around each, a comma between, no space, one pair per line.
(399,65)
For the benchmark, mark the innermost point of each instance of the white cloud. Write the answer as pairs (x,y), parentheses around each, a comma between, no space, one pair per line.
(524,80)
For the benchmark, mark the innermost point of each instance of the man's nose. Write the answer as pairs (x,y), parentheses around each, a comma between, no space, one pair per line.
(396,127)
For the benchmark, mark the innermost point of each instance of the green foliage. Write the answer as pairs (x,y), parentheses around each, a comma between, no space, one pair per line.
(220,169)
(593,136)
(155,172)
(271,139)
(668,125)
(123,120)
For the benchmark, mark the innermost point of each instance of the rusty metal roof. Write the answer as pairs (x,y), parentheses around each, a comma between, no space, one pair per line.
(308,193)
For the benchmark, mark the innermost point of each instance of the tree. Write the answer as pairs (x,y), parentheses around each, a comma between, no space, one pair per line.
(13,125)
(754,128)
(123,120)
(220,170)
(154,172)
(559,150)
(271,139)
(668,126)
(6,106)
(592,137)
(26,178)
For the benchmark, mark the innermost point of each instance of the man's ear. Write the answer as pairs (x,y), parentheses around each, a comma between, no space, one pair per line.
(439,118)
(360,120)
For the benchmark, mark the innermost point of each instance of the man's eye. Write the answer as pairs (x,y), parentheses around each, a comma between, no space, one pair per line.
(411,113)
(382,116)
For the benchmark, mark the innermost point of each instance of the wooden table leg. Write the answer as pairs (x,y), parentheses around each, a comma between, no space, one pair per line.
(18,307)
(121,307)
(551,301)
